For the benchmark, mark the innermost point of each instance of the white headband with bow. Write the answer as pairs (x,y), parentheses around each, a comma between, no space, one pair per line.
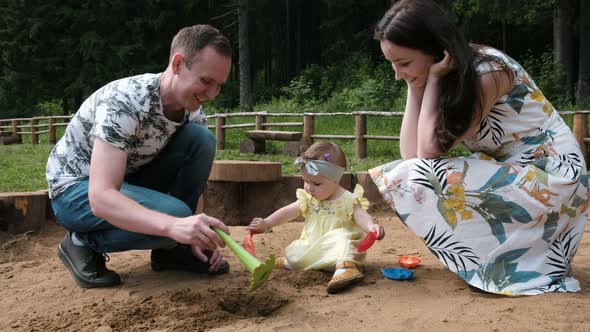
(322,168)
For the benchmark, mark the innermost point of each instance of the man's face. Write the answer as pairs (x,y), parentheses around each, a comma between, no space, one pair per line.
(202,81)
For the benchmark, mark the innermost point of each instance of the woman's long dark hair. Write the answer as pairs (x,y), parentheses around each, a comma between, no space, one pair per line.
(423,25)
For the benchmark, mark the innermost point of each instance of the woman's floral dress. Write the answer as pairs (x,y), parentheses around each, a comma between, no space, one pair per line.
(509,218)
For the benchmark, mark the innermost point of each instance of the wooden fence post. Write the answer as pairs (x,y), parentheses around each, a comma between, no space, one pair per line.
(360,130)
(260,119)
(220,132)
(308,127)
(15,130)
(51,129)
(581,131)
(34,135)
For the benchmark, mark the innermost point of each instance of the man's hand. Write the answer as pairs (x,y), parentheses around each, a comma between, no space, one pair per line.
(258,225)
(214,258)
(196,230)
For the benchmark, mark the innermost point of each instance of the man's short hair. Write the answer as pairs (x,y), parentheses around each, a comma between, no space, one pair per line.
(191,40)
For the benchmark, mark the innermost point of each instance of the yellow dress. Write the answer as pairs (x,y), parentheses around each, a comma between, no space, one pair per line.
(330,234)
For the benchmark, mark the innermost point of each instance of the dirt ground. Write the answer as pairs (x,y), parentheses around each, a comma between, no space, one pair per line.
(38,294)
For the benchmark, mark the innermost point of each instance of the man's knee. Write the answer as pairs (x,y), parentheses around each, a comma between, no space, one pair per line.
(207,141)
(176,209)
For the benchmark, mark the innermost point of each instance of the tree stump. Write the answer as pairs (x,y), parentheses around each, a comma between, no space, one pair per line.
(251,146)
(292,149)
(22,211)
(8,138)
(245,171)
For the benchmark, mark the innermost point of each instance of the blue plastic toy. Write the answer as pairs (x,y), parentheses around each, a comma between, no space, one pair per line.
(397,273)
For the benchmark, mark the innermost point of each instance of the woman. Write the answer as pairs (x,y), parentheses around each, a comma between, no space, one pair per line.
(509,218)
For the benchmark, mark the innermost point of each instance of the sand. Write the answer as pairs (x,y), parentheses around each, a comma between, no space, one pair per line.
(38,294)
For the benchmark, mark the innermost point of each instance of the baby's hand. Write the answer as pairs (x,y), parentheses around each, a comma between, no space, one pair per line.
(377,229)
(257,225)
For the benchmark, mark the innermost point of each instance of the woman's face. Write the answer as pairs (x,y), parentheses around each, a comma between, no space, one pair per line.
(410,65)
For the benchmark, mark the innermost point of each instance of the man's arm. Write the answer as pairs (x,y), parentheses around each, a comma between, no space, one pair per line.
(107,171)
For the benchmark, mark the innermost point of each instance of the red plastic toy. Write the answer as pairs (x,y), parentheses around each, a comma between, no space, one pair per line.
(367,242)
(409,261)
(248,244)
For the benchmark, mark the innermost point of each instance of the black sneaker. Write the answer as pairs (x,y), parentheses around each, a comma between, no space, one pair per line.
(181,258)
(86,266)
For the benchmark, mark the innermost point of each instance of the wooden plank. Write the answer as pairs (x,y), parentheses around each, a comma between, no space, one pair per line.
(580,130)
(333,136)
(393,138)
(245,171)
(274,135)
(22,211)
(282,124)
(371,191)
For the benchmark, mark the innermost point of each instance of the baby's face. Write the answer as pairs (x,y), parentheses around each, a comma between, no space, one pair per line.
(319,187)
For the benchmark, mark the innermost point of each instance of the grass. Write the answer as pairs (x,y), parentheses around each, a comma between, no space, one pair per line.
(22,167)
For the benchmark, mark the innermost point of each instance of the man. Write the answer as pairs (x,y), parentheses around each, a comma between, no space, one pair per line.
(132,165)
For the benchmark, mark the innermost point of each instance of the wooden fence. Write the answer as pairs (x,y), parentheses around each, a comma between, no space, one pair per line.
(15,127)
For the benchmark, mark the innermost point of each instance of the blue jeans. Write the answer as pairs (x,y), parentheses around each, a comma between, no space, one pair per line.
(171,184)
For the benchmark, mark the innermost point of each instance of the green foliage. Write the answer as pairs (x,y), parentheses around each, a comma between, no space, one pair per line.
(50,108)
(541,69)
(353,84)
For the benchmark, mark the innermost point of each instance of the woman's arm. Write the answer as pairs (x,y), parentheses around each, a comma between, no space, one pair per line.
(493,86)
(428,120)
(279,217)
(409,131)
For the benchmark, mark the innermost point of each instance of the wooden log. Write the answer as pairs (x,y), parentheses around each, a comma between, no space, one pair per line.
(220,132)
(346,181)
(581,131)
(34,134)
(274,135)
(308,127)
(7,140)
(260,119)
(236,203)
(15,126)
(22,211)
(371,191)
(52,132)
(282,124)
(292,149)
(251,146)
(245,171)
(360,143)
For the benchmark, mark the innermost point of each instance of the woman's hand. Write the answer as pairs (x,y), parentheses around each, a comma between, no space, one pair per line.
(443,67)
(258,225)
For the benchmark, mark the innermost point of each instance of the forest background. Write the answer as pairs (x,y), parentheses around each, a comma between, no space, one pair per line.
(290,55)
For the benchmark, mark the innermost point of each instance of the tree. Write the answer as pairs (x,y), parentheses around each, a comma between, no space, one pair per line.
(244,50)
(583,89)
(563,45)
